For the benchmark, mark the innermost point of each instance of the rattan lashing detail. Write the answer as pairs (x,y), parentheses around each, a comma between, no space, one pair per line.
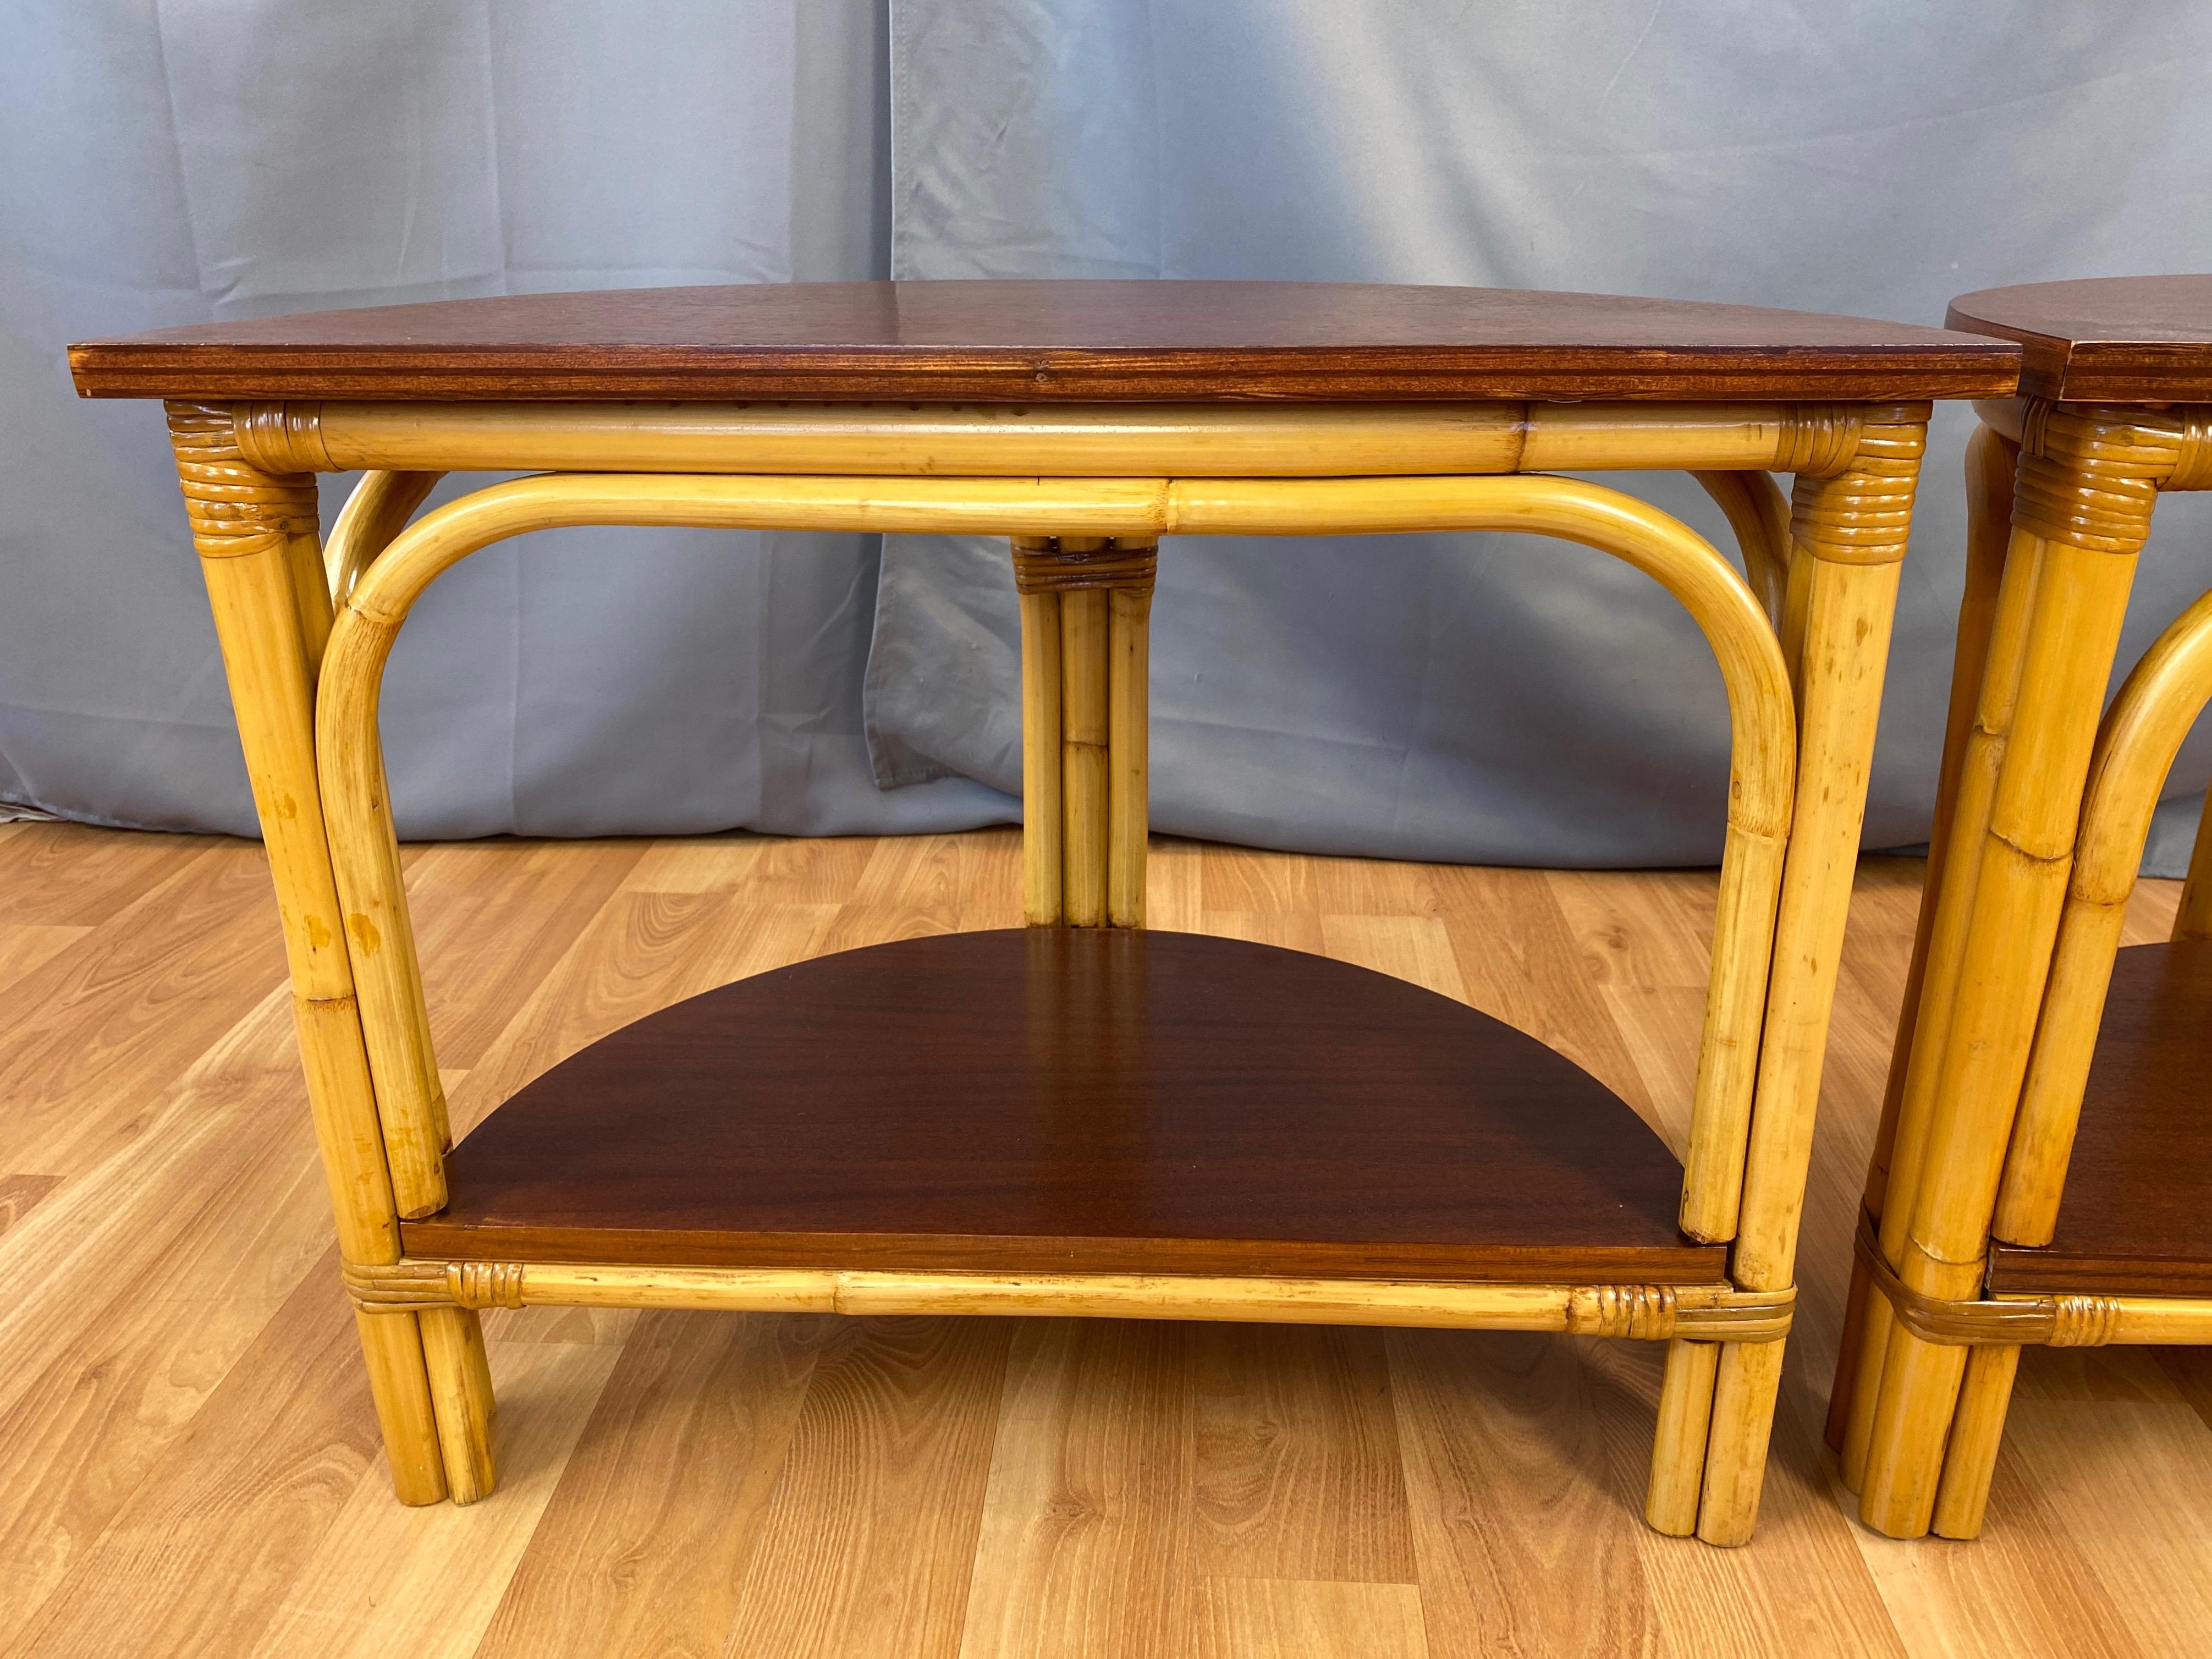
(235,505)
(2059,1322)
(1052,564)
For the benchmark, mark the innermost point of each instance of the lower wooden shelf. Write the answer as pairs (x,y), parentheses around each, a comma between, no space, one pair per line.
(1054,1100)
(2137,1215)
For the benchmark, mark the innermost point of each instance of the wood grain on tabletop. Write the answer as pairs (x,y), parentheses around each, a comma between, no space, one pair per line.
(2118,339)
(1051,342)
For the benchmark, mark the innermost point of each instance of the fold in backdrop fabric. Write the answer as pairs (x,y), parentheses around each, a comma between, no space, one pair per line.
(1477,697)
(173,164)
(1497,697)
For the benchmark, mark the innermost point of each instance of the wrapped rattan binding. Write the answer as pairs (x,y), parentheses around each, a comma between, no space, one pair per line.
(1061,565)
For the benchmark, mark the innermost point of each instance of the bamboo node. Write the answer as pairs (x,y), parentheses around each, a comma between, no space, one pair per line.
(2082,1321)
(485,1283)
(1043,565)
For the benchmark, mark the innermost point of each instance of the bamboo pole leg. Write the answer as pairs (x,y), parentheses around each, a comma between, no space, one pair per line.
(1856,1406)
(254,530)
(1086,621)
(1914,1402)
(1850,1345)
(1085,736)
(1748,1376)
(1990,459)
(1977,1430)
(398,1383)
(460,1394)
(1990,463)
(2003,964)
(1852,599)
(380,933)
(1678,1459)
(2085,485)
(1893,1174)
(1797,600)
(1848,535)
(1041,782)
(1129,657)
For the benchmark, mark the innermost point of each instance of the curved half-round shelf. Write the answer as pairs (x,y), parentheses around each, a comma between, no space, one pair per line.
(1073,1101)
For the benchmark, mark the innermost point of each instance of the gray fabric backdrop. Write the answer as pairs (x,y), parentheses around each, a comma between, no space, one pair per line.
(170,164)
(1481,697)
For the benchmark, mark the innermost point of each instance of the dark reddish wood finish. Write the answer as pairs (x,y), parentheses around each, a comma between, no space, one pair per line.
(1032,341)
(2116,339)
(2137,1216)
(1062,1100)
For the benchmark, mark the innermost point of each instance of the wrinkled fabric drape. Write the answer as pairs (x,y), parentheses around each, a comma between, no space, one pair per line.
(1492,697)
(171,164)
(1479,697)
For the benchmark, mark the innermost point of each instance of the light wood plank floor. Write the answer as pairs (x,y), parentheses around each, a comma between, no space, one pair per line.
(187,1464)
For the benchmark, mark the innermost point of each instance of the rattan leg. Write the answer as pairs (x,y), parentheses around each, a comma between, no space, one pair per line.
(2081,508)
(1989,462)
(1678,1456)
(1041,808)
(1849,538)
(1129,668)
(1977,1429)
(1749,1375)
(254,532)
(399,1384)
(1085,774)
(460,1393)
(1086,626)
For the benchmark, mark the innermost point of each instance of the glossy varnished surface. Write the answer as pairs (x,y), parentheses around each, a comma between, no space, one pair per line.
(2137,1214)
(1084,1100)
(2126,339)
(1051,341)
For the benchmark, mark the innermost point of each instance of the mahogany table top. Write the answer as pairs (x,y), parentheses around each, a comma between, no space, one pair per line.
(1030,342)
(2118,339)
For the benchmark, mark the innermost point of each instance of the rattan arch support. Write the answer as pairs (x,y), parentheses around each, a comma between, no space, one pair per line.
(1135,511)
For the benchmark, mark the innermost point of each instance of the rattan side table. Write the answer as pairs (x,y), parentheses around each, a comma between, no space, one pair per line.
(1076,1117)
(1964,1236)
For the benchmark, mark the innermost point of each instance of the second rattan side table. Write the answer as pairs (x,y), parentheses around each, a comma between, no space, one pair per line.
(1966,1252)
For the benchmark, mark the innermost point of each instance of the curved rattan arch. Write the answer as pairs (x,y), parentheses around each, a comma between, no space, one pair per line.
(365,854)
